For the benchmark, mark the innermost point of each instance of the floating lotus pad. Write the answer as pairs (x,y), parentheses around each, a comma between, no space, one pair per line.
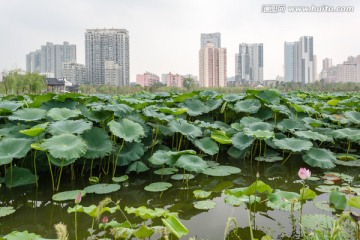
(166,171)
(102,188)
(35,130)
(219,171)
(158,187)
(182,176)
(68,195)
(120,179)
(4,211)
(199,194)
(205,205)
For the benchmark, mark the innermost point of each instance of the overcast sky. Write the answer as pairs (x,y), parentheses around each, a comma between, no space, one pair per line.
(165,34)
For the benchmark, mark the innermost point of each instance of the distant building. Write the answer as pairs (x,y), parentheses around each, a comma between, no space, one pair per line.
(299,60)
(249,63)
(50,58)
(212,66)
(348,71)
(326,65)
(107,45)
(315,68)
(147,79)
(74,73)
(214,38)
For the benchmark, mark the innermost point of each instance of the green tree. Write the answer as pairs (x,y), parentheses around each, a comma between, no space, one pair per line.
(188,83)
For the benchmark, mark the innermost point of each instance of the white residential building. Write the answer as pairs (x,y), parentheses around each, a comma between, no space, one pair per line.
(249,65)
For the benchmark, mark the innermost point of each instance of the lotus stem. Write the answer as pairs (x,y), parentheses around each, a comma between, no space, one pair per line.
(274,118)
(72,171)
(91,167)
(51,173)
(76,235)
(11,174)
(286,158)
(83,168)
(348,149)
(250,225)
(301,202)
(59,179)
(181,137)
(117,157)
(36,180)
(154,140)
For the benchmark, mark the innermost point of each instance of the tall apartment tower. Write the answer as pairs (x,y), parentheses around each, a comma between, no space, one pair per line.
(74,73)
(50,58)
(107,45)
(214,38)
(212,66)
(249,63)
(299,60)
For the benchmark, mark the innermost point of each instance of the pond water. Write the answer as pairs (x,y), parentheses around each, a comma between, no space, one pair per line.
(37,213)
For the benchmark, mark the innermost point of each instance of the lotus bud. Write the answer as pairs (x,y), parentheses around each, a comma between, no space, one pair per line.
(105,219)
(304,173)
(257,174)
(78,198)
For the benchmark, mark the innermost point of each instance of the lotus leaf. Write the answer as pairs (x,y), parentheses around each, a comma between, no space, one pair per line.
(290,125)
(247,106)
(220,137)
(28,114)
(324,205)
(161,157)
(65,146)
(10,106)
(347,133)
(195,107)
(232,97)
(219,171)
(63,113)
(307,194)
(352,202)
(102,188)
(182,177)
(120,179)
(175,226)
(353,116)
(279,109)
(98,143)
(4,211)
(319,222)
(269,158)
(213,104)
(11,148)
(126,129)
(293,144)
(69,126)
(191,163)
(143,232)
(25,235)
(129,153)
(283,200)
(137,167)
(158,187)
(35,130)
(313,136)
(317,157)
(166,171)
(325,188)
(173,111)
(199,194)
(207,145)
(185,128)
(205,205)
(68,195)
(338,200)
(269,96)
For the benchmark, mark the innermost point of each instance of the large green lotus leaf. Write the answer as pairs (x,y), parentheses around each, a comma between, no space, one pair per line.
(208,94)
(143,232)
(347,133)
(166,171)
(219,171)
(318,157)
(293,144)
(207,145)
(25,235)
(137,167)
(120,179)
(102,188)
(129,153)
(337,199)
(158,186)
(313,136)
(69,126)
(65,146)
(35,130)
(175,226)
(191,163)
(269,96)
(68,195)
(96,115)
(98,143)
(237,201)
(279,109)
(185,128)
(63,113)
(126,129)
(28,114)
(19,177)
(353,116)
(303,109)
(247,121)
(262,126)
(247,106)
(326,188)
(258,186)
(232,97)
(220,137)
(10,106)
(315,123)
(4,211)
(11,148)
(213,104)
(351,163)
(283,200)
(182,177)
(60,162)
(307,194)
(352,202)
(205,205)
(161,129)
(200,194)
(161,157)
(259,134)
(146,213)
(195,107)
(242,141)
(325,206)
(290,125)
(321,222)
(152,112)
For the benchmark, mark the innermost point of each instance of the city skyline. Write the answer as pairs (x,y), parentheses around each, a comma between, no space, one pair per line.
(164,36)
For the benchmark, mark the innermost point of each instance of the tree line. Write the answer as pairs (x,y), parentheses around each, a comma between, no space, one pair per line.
(29,83)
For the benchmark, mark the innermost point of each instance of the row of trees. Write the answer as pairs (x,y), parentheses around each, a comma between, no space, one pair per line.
(29,83)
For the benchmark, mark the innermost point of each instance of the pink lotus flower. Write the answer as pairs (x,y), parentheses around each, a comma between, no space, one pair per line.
(304,173)
(105,219)
(78,198)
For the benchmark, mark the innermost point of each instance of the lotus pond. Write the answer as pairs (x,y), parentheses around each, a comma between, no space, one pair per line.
(198,165)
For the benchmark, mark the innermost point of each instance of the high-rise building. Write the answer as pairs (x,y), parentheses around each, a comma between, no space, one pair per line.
(214,38)
(174,80)
(326,65)
(147,79)
(315,68)
(74,73)
(249,63)
(50,58)
(113,73)
(212,66)
(299,60)
(102,45)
